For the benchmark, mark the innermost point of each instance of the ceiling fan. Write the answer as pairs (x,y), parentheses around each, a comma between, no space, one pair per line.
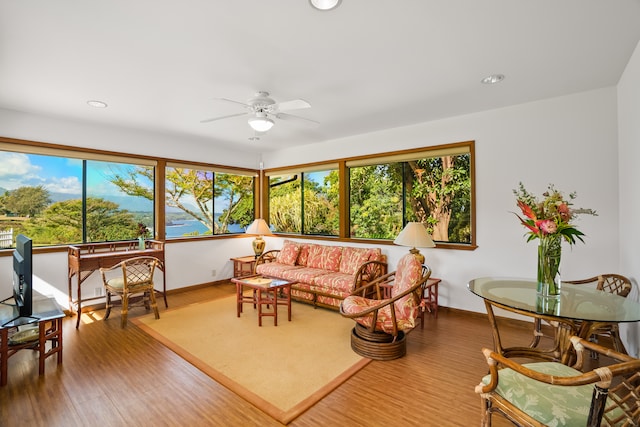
(262,110)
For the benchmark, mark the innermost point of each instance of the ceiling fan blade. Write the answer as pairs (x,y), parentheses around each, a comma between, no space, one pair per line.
(286,116)
(222,117)
(233,102)
(294,104)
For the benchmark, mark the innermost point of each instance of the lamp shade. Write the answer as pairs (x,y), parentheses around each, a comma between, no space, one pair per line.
(259,227)
(414,235)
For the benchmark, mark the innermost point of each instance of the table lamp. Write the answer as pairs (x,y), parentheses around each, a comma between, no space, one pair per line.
(260,228)
(415,235)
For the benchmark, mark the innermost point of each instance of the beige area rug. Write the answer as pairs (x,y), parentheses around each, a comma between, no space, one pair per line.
(295,364)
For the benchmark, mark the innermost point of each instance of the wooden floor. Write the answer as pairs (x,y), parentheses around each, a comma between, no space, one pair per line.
(116,377)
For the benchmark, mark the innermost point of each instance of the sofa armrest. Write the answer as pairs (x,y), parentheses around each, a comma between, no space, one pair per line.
(268,256)
(368,272)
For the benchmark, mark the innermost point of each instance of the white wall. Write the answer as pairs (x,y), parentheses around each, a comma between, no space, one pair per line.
(569,141)
(629,147)
(32,127)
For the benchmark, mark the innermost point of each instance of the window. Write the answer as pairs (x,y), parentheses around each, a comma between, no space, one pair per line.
(204,202)
(314,211)
(65,197)
(433,187)
(375,201)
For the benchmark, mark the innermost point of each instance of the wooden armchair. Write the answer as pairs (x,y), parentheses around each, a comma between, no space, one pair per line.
(136,279)
(613,283)
(381,322)
(550,393)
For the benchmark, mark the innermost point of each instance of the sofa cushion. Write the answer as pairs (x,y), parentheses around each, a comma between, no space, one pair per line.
(375,254)
(325,257)
(289,253)
(302,274)
(335,283)
(303,257)
(274,269)
(352,259)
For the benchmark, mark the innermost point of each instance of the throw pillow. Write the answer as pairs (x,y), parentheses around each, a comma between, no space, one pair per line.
(325,257)
(352,259)
(289,253)
(303,258)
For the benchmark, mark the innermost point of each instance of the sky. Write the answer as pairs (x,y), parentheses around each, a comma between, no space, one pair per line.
(56,174)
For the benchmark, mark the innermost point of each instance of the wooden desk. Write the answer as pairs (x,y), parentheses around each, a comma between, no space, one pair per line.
(575,312)
(85,259)
(48,315)
(244,266)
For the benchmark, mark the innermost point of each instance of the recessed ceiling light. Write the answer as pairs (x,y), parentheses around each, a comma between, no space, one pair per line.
(97,104)
(325,4)
(492,79)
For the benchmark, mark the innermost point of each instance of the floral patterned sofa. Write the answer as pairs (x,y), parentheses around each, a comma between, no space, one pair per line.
(324,275)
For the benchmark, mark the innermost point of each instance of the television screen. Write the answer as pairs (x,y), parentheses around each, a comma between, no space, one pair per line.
(23,275)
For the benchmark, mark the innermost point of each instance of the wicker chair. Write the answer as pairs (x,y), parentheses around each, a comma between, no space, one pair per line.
(613,283)
(136,279)
(550,393)
(381,322)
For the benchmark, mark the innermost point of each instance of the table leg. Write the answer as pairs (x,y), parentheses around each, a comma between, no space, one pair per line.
(259,307)
(288,289)
(79,309)
(58,343)
(4,355)
(275,307)
(239,298)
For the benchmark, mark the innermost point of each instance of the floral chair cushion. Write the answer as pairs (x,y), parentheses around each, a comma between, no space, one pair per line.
(289,253)
(408,273)
(551,405)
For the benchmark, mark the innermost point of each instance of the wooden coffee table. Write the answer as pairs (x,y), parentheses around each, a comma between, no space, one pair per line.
(266,292)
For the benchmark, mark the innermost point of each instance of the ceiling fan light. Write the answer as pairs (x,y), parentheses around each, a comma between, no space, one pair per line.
(260,124)
(325,4)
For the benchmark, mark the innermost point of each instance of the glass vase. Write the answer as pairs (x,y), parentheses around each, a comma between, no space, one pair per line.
(549,254)
(141,244)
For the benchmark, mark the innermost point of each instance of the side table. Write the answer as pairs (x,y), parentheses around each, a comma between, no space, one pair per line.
(243,266)
(429,299)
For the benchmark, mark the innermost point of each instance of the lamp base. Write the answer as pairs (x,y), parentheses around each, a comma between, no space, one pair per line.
(417,254)
(258,246)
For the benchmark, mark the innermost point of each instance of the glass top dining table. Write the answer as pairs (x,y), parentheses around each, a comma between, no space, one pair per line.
(575,310)
(576,302)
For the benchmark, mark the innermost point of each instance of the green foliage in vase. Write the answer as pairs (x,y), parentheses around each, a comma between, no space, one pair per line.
(551,215)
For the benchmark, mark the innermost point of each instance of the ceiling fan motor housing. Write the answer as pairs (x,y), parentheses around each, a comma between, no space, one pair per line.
(261,102)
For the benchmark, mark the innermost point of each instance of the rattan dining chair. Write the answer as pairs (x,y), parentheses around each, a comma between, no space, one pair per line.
(612,283)
(136,279)
(381,322)
(549,393)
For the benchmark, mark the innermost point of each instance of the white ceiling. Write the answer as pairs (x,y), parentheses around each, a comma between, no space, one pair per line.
(366,66)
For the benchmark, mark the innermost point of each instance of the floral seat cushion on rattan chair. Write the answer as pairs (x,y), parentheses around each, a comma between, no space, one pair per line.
(136,279)
(553,394)
(380,321)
